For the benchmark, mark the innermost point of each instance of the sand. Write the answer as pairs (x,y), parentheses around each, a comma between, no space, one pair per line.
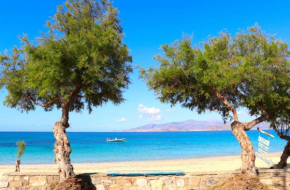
(205,164)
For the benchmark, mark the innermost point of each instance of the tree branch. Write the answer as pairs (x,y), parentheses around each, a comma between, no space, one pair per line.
(42,105)
(287,138)
(222,98)
(251,124)
(260,119)
(76,90)
(72,94)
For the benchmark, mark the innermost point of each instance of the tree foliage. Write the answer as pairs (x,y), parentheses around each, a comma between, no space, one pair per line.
(248,70)
(282,125)
(21,147)
(81,60)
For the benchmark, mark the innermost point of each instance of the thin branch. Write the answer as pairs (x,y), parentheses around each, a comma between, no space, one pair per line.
(265,116)
(43,105)
(76,90)
(224,100)
(264,112)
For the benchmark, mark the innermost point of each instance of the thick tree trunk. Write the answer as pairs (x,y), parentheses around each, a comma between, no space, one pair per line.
(248,153)
(284,157)
(62,147)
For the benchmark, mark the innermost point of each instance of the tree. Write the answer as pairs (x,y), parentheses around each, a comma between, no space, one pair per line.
(250,70)
(81,61)
(282,127)
(21,146)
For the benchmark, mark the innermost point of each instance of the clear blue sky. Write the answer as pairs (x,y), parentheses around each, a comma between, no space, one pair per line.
(147,25)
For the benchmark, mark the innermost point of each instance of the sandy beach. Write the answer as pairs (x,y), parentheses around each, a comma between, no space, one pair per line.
(206,164)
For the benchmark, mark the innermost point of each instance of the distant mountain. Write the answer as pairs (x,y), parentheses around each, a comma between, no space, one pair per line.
(189,125)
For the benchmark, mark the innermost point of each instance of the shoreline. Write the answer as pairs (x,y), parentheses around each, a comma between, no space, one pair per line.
(201,164)
(271,154)
(135,161)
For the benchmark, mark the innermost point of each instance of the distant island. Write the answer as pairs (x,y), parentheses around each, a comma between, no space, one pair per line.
(188,125)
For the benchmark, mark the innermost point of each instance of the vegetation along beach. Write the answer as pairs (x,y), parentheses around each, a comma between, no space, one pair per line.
(101,95)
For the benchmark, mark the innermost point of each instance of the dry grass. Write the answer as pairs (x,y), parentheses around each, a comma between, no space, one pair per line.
(240,182)
(71,184)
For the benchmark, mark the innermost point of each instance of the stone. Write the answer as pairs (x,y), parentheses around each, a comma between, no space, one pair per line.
(169,187)
(278,181)
(194,181)
(186,182)
(114,181)
(15,184)
(267,181)
(212,181)
(125,188)
(107,182)
(190,181)
(147,187)
(52,180)
(3,179)
(156,184)
(25,183)
(17,178)
(4,184)
(168,182)
(124,182)
(266,175)
(180,182)
(195,188)
(141,182)
(113,187)
(278,174)
(96,181)
(100,187)
(202,185)
(37,181)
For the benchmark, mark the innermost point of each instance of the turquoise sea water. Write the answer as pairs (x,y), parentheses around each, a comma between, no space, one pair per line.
(93,148)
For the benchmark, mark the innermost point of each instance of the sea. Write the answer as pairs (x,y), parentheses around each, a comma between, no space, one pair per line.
(91,147)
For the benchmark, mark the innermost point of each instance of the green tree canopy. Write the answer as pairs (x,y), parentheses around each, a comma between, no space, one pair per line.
(225,73)
(82,59)
(249,70)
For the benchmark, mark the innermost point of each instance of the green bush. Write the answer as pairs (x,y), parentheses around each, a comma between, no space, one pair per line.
(21,148)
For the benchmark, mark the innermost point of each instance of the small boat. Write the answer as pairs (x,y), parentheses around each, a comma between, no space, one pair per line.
(116,140)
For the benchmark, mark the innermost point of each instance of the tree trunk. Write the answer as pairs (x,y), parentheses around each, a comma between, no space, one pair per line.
(17,166)
(248,153)
(283,159)
(62,147)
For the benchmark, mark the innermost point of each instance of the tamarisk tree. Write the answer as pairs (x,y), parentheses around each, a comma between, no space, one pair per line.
(282,128)
(80,62)
(250,70)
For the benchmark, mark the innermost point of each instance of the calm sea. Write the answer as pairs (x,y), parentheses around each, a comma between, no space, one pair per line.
(93,148)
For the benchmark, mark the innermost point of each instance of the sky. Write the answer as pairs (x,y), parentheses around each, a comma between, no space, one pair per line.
(147,25)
